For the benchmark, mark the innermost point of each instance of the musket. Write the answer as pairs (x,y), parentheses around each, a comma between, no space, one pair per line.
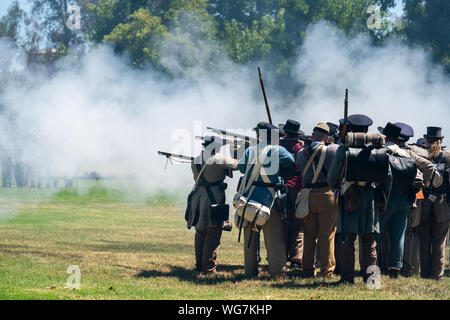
(177,156)
(337,193)
(223,141)
(265,96)
(344,125)
(232,134)
(169,157)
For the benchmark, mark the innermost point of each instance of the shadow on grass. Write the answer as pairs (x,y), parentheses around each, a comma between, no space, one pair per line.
(225,273)
(316,284)
(235,273)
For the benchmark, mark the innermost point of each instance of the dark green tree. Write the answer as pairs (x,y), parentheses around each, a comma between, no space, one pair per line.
(140,37)
(427,22)
(10,23)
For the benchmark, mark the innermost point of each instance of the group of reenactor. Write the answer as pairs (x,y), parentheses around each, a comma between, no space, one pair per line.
(394,197)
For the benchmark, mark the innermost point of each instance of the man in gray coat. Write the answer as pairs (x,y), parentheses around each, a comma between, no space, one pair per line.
(435,218)
(214,168)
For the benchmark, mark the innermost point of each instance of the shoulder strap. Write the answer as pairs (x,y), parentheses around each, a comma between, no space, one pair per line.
(247,183)
(320,165)
(200,173)
(211,197)
(311,159)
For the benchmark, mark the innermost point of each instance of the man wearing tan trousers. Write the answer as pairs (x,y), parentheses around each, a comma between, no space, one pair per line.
(263,192)
(320,224)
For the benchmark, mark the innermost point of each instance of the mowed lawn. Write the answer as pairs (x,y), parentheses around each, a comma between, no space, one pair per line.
(137,247)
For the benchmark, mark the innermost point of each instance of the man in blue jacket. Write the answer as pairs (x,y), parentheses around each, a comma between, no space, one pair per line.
(264,192)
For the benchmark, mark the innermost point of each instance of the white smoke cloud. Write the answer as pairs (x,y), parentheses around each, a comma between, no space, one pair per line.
(99,115)
(388,83)
(102,116)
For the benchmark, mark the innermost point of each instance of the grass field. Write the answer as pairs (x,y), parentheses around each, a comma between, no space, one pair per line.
(137,247)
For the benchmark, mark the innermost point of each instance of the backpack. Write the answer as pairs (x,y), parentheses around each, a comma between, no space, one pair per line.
(366,164)
(404,171)
(441,167)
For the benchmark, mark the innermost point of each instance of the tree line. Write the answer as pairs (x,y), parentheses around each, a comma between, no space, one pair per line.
(198,32)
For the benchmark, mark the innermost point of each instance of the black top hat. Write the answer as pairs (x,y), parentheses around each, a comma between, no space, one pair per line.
(392,131)
(292,126)
(434,132)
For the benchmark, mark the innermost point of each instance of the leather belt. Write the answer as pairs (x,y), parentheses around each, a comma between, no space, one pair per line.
(263,184)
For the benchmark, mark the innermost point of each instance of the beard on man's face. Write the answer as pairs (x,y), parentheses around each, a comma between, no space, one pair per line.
(435,147)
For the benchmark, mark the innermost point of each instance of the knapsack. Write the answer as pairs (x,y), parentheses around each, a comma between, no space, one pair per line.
(366,164)
(404,171)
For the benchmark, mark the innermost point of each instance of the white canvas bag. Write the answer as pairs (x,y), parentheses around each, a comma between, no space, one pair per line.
(253,211)
(302,202)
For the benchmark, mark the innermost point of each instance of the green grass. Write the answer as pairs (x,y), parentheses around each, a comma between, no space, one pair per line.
(138,247)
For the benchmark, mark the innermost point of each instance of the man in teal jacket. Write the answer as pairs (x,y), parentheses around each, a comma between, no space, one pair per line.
(264,192)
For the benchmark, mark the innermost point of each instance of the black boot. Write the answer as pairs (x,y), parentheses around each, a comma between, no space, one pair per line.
(393,273)
(347,278)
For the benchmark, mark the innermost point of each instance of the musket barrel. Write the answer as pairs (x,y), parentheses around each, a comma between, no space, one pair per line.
(345,124)
(233,134)
(265,96)
(173,155)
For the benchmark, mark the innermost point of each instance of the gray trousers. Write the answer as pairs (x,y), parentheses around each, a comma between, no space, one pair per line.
(207,245)
(432,247)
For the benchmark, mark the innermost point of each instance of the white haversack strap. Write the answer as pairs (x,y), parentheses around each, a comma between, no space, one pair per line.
(246,184)
(311,159)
